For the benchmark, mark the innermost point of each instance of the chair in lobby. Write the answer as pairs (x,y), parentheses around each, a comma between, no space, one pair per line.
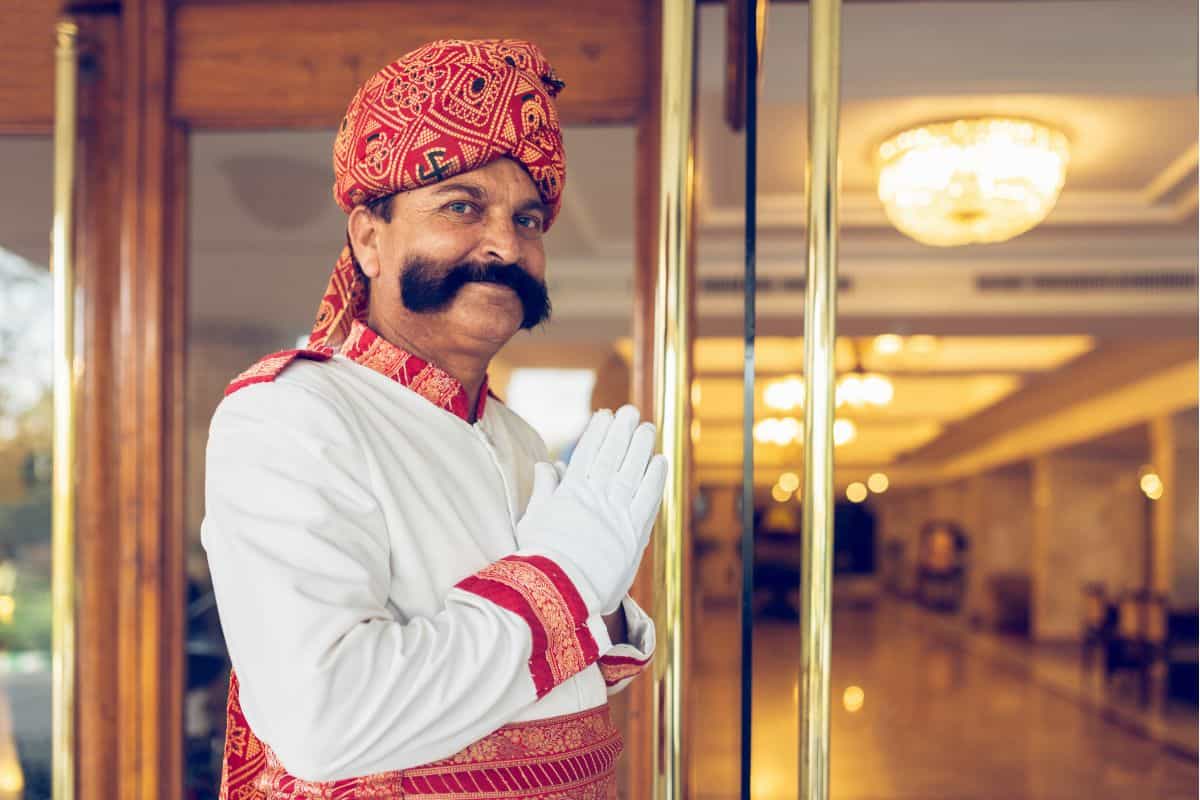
(1099,621)
(1139,642)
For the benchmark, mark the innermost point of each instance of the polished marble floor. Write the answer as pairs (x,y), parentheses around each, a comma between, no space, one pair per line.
(917,715)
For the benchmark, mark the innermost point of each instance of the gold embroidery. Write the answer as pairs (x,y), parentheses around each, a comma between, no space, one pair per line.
(615,673)
(564,654)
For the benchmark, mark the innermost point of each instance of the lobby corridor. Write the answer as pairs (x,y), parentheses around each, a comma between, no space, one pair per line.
(916,715)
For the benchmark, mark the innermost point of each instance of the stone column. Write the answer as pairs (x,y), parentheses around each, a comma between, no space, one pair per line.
(1000,512)
(1088,525)
(900,515)
(1173,453)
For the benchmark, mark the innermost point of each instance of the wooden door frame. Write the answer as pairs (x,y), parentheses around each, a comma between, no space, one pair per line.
(158,69)
(150,349)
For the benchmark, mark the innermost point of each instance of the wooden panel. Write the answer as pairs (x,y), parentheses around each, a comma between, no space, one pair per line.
(637,704)
(97,257)
(150,635)
(263,64)
(27,66)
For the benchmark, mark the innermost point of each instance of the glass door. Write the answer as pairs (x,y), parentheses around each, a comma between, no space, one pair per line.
(26,428)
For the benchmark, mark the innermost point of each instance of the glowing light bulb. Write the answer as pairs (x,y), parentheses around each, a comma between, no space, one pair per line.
(1152,485)
(877,390)
(784,394)
(853,698)
(844,432)
(888,344)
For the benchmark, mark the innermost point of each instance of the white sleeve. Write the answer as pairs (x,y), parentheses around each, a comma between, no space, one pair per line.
(625,661)
(299,556)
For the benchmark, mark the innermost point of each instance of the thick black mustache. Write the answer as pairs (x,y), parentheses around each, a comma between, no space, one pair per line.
(424,288)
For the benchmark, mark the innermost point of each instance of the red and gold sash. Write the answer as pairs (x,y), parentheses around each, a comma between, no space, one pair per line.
(571,757)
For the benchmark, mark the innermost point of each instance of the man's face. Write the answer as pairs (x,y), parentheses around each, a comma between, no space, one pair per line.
(463,257)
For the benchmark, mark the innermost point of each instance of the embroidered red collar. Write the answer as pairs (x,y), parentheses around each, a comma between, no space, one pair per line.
(364,346)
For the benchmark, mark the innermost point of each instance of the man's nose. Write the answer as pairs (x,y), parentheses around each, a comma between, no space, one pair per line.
(501,242)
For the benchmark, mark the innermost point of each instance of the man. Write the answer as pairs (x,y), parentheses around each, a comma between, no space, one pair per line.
(415,602)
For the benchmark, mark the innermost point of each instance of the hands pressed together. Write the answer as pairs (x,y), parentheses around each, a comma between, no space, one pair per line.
(595,516)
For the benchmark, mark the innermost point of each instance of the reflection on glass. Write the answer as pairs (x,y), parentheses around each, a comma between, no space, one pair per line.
(557,402)
(25,459)
(277,253)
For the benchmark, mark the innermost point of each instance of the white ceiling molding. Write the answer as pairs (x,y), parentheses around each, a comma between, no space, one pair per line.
(1150,205)
(1181,170)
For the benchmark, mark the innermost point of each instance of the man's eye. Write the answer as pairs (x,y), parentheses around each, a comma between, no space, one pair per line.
(527,221)
(460,207)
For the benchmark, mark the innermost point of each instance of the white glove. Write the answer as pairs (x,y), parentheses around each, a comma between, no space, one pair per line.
(596,521)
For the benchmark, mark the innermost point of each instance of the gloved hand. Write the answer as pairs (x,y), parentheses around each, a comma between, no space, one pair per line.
(596,520)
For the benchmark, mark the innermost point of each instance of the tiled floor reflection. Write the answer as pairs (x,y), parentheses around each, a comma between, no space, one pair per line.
(917,716)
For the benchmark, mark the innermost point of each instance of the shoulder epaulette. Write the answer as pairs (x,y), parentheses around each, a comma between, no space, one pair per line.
(269,367)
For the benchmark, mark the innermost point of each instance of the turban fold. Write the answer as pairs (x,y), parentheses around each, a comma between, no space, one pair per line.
(446,108)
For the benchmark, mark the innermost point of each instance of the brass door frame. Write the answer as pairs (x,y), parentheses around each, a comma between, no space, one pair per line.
(820,317)
(62,514)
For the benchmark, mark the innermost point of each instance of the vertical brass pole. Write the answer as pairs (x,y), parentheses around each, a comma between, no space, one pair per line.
(63,503)
(672,384)
(820,312)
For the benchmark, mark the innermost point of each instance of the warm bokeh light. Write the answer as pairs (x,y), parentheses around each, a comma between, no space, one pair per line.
(854,389)
(784,394)
(780,494)
(695,393)
(8,607)
(695,431)
(859,390)
(922,344)
(856,492)
(778,430)
(888,344)
(853,698)
(789,481)
(972,180)
(844,432)
(1152,485)
(878,390)
(878,483)
(12,780)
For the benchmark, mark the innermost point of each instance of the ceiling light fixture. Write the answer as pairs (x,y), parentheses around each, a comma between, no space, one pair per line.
(973,180)
(856,388)
(783,431)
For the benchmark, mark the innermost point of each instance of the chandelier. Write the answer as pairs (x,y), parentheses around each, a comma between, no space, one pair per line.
(971,181)
(783,431)
(856,388)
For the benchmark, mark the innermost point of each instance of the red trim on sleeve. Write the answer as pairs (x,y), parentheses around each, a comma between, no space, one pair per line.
(615,669)
(537,590)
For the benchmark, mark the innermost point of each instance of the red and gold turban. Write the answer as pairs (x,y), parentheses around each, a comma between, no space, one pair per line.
(446,108)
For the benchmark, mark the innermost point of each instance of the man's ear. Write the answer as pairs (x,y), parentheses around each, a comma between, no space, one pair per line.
(363,230)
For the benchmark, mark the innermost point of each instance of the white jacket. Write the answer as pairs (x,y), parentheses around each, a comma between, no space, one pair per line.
(342,508)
